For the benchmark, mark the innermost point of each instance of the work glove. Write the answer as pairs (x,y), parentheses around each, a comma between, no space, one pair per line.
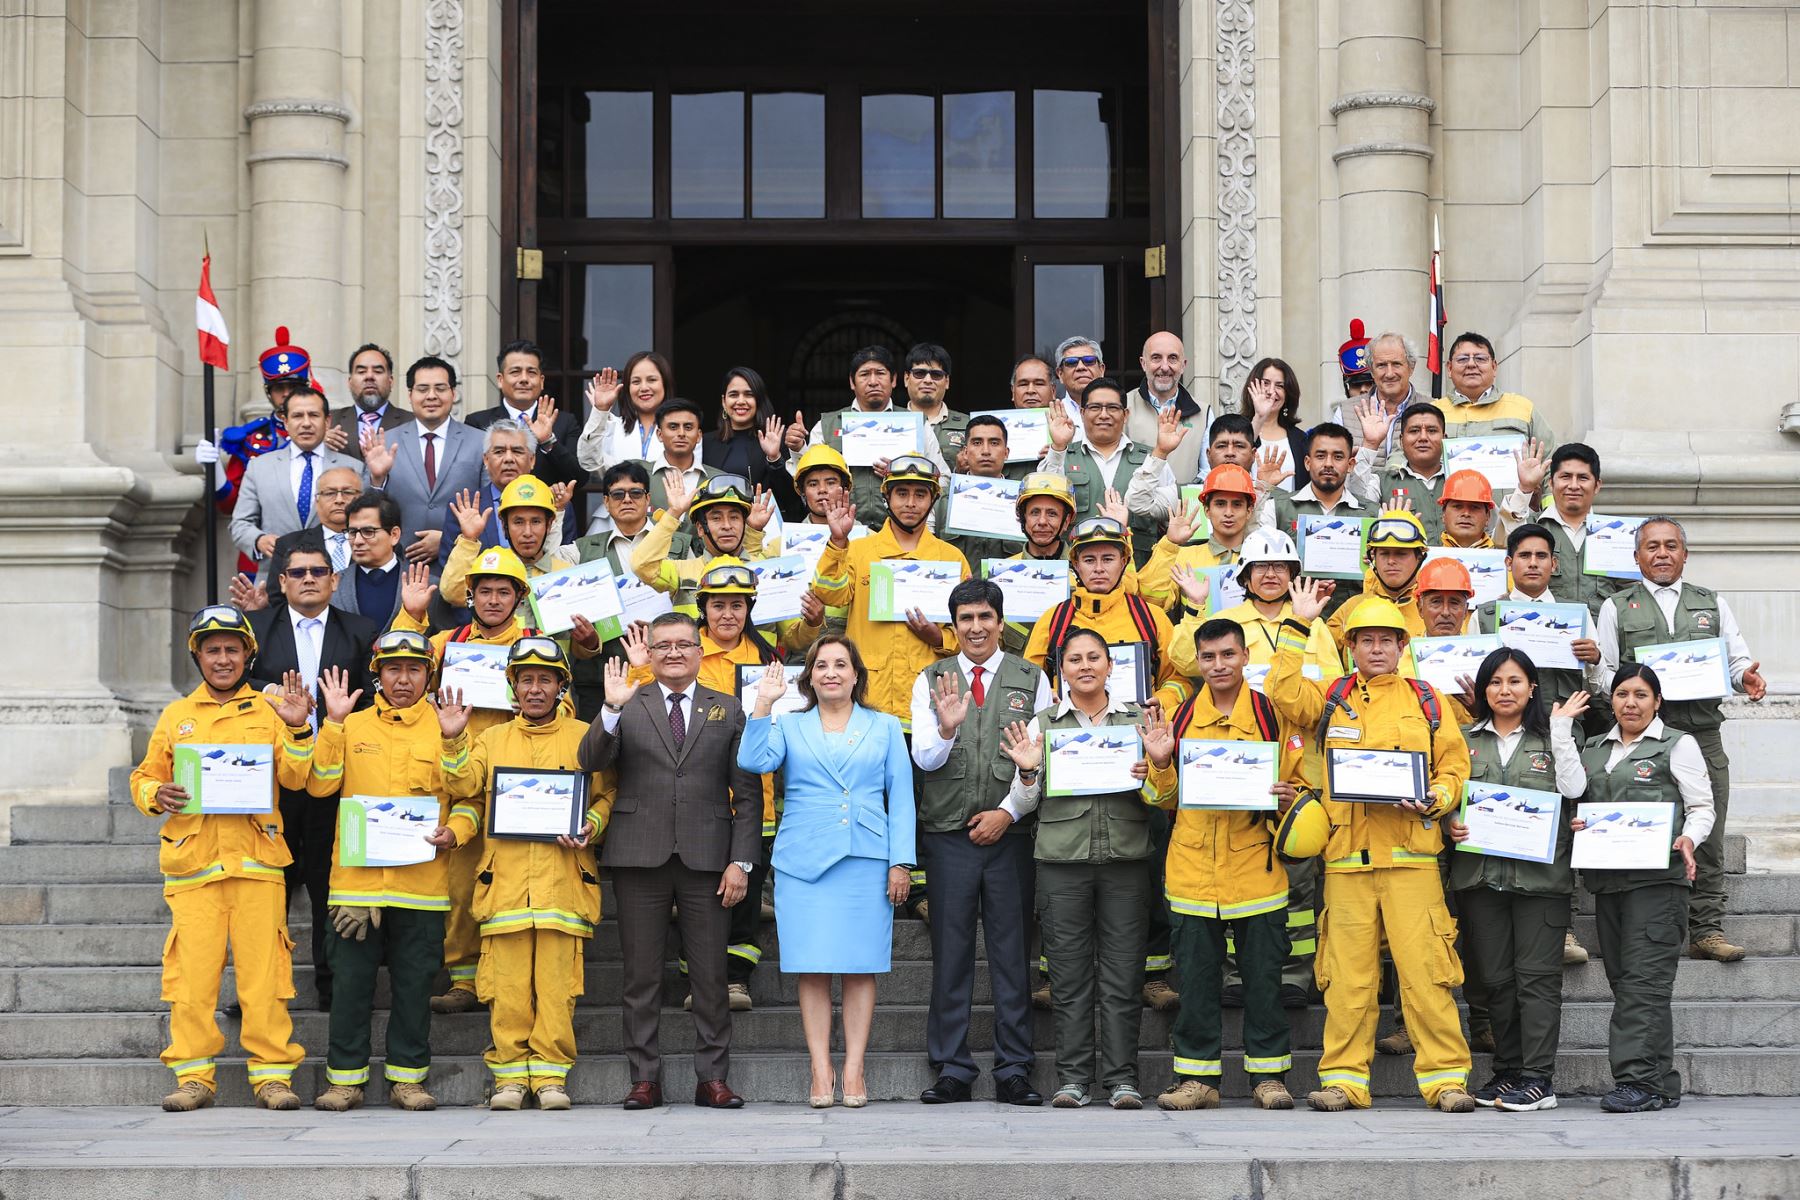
(352,921)
(205,452)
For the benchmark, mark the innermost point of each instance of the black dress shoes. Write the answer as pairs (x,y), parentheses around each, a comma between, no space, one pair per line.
(945,1091)
(1016,1089)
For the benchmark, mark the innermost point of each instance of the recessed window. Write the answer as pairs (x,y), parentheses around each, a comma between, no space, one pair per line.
(979,152)
(618,305)
(620,155)
(706,154)
(787,155)
(1071,140)
(899,156)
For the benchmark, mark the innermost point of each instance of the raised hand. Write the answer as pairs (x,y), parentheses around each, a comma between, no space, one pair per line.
(762,509)
(1021,742)
(471,518)
(1265,399)
(247,595)
(680,495)
(378,456)
(636,640)
(840,517)
(1169,431)
(296,704)
(452,713)
(1310,597)
(334,689)
(1062,428)
(1195,588)
(603,390)
(1755,686)
(1533,462)
(795,438)
(952,705)
(619,688)
(770,438)
(1271,470)
(336,437)
(583,633)
(543,421)
(561,494)
(1159,736)
(416,591)
(1183,521)
(1114,506)
(1400,502)
(1371,414)
(769,689)
(1573,707)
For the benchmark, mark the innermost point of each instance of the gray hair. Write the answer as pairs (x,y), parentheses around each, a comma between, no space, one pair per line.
(1681,531)
(1406,347)
(508,425)
(1068,344)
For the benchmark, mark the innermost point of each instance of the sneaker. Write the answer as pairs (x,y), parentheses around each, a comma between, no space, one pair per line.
(191,1095)
(552,1097)
(1455,1100)
(1070,1097)
(739,996)
(339,1098)
(1328,1100)
(456,1000)
(412,1097)
(1497,1086)
(508,1097)
(277,1096)
(1397,1042)
(1574,953)
(1531,1095)
(1232,995)
(1041,1001)
(1188,1094)
(1481,1041)
(1125,1098)
(1630,1098)
(1160,997)
(1272,1094)
(1715,947)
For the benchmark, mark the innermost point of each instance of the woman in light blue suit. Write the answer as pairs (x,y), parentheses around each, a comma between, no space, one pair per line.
(844,850)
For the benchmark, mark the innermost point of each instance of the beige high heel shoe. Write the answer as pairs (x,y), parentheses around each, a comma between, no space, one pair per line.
(828,1099)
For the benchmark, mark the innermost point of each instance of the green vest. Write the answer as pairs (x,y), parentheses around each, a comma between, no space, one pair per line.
(659,491)
(1643,775)
(1532,766)
(1288,512)
(977,775)
(586,672)
(865,485)
(951,432)
(1089,487)
(1424,496)
(1090,829)
(1555,684)
(1568,582)
(1696,619)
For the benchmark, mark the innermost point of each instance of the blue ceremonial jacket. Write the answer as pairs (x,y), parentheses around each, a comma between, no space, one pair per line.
(854,800)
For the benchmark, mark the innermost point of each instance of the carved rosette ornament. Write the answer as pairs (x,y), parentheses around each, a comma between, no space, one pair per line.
(443,178)
(1235,72)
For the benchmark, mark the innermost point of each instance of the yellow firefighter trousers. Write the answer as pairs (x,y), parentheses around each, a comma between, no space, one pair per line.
(529,980)
(249,916)
(1407,905)
(462,938)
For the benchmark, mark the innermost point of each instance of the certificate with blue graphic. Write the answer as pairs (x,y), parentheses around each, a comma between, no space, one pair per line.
(1091,762)
(1689,670)
(478,671)
(1510,822)
(1376,776)
(1635,835)
(899,585)
(589,590)
(1332,547)
(1228,776)
(1492,455)
(780,582)
(1545,633)
(386,831)
(1609,546)
(226,778)
(1440,661)
(869,438)
(535,805)
(1027,432)
(1486,567)
(985,507)
(1030,587)
(749,679)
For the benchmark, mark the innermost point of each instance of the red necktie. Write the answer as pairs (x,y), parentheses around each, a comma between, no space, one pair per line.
(431,460)
(975,687)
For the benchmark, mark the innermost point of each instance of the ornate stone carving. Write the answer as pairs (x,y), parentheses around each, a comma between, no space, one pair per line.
(443,178)
(296,108)
(1382,100)
(1235,70)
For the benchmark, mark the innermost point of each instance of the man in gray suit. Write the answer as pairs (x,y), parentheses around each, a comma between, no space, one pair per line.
(674,837)
(371,381)
(279,492)
(427,462)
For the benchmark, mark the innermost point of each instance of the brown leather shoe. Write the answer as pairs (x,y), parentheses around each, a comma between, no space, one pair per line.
(714,1094)
(1715,947)
(643,1094)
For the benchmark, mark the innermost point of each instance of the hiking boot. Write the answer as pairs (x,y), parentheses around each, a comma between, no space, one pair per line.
(1160,997)
(1293,996)
(1041,1001)
(277,1096)
(339,1098)
(508,1097)
(1187,1095)
(552,1097)
(1397,1042)
(922,911)
(411,1096)
(1328,1100)
(1497,1086)
(739,996)
(1272,1094)
(191,1095)
(1715,947)
(1531,1095)
(456,1000)
(1574,953)
(1630,1098)
(1455,1100)
(1481,1041)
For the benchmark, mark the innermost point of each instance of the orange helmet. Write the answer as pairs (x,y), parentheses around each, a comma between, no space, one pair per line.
(1471,487)
(1228,479)
(1444,574)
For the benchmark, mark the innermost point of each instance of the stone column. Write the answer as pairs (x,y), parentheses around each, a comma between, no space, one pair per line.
(1383,159)
(297,166)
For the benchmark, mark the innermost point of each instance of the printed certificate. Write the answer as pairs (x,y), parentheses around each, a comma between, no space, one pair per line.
(1438,661)
(1690,670)
(587,590)
(1129,681)
(478,670)
(980,506)
(1256,674)
(1546,633)
(871,437)
(1223,590)
(749,678)
(1634,835)
(1233,776)
(537,806)
(1027,432)
(1190,496)
(1031,586)
(1609,546)
(780,582)
(899,585)
(226,778)
(809,541)
(1092,762)
(1491,454)
(638,601)
(1510,822)
(387,831)
(1487,570)
(1332,547)
(1376,776)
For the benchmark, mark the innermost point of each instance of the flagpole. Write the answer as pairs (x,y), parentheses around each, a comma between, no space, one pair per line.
(212,484)
(1437,304)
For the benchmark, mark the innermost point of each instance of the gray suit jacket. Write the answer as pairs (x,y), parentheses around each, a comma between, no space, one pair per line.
(677,803)
(422,507)
(349,419)
(266,501)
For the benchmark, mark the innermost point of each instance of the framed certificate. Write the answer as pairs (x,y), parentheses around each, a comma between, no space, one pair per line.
(1609,546)
(226,778)
(1689,670)
(1332,547)
(588,590)
(780,582)
(898,585)
(1027,432)
(981,506)
(1487,570)
(867,438)
(749,678)
(537,806)
(1439,661)
(478,671)
(1030,587)
(1129,682)
(1545,633)
(1636,835)
(1091,762)
(1376,776)
(387,831)
(1228,776)
(1490,454)
(1510,822)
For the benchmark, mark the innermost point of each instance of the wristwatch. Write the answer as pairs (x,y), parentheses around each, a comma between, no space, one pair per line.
(745,867)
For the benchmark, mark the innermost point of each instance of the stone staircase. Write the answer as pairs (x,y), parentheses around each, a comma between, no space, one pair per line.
(82,924)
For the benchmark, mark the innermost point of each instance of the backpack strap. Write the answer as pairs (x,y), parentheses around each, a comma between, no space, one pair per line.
(1063,616)
(1266,723)
(1183,714)
(1335,696)
(1428,701)
(1139,608)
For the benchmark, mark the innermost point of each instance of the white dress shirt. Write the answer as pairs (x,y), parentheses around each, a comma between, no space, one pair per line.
(419,432)
(1689,768)
(309,641)
(1516,510)
(609,720)
(1667,596)
(297,467)
(1365,477)
(930,749)
(1571,780)
(1023,798)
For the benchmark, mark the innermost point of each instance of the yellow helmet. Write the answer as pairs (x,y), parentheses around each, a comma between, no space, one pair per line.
(1099,531)
(500,563)
(401,645)
(538,652)
(912,468)
(1046,483)
(733,490)
(1396,529)
(220,618)
(726,576)
(1375,613)
(819,456)
(1304,831)
(527,491)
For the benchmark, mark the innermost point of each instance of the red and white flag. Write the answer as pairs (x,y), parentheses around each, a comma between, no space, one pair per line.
(215,339)
(1434,338)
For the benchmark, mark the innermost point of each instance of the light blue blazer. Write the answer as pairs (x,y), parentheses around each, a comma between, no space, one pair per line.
(833,799)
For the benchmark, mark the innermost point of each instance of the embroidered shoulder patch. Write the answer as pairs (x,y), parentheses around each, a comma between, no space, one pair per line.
(185,728)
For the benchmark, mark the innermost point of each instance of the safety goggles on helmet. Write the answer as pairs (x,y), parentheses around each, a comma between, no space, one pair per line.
(538,652)
(398,644)
(911,468)
(730,579)
(1097,531)
(219,618)
(1396,532)
(722,489)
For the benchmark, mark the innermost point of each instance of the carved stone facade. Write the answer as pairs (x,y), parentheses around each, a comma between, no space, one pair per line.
(443,178)
(1236,155)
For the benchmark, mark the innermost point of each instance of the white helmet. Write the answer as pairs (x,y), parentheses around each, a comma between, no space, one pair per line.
(1264,546)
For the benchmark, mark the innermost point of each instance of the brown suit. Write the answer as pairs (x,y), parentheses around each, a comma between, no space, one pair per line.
(671,834)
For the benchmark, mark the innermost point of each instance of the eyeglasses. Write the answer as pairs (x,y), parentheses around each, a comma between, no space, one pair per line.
(361,532)
(635,493)
(928,373)
(339,493)
(667,648)
(1103,409)
(1463,360)
(1080,360)
(307,572)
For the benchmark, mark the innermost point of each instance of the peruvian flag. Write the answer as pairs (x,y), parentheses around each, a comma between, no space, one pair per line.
(1434,341)
(215,340)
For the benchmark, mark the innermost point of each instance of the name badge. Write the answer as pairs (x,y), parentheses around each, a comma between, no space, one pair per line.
(1348,733)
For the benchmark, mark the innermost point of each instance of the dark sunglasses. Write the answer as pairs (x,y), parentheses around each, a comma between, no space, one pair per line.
(636,493)
(1080,360)
(307,572)
(928,373)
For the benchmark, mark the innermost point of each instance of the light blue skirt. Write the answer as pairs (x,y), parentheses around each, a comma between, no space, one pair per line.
(838,924)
